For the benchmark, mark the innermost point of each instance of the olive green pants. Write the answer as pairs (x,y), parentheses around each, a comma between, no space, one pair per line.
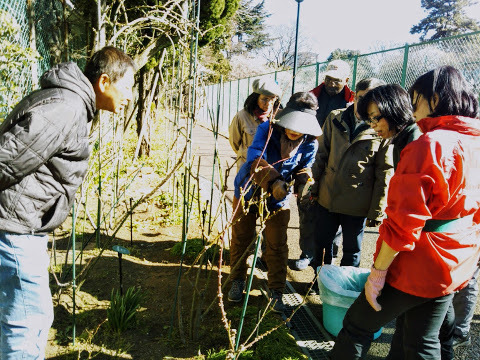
(275,237)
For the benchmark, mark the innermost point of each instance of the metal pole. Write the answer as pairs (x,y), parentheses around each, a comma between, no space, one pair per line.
(186,177)
(131,223)
(238,93)
(74,284)
(247,291)
(99,24)
(296,47)
(120,272)
(229,102)
(99,202)
(405,64)
(215,136)
(355,68)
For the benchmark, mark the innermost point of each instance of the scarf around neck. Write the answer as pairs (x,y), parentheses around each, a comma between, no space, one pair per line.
(260,114)
(288,147)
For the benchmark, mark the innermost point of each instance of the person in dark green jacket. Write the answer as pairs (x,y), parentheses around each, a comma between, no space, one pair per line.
(351,171)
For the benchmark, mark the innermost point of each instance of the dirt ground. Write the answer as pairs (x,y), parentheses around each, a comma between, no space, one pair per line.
(153,269)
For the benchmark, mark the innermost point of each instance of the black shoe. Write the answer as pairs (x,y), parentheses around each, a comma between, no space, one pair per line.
(461,341)
(276,302)
(236,291)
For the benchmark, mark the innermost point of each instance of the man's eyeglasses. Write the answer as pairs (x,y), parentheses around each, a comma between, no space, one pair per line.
(333,81)
(374,120)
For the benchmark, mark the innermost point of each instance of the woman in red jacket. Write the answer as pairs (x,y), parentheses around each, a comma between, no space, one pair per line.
(428,246)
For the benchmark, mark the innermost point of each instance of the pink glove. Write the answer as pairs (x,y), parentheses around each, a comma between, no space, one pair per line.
(374,286)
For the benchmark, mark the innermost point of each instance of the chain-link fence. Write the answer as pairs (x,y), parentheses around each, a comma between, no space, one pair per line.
(400,65)
(27,25)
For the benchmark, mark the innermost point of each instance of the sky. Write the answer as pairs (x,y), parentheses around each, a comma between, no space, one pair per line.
(365,25)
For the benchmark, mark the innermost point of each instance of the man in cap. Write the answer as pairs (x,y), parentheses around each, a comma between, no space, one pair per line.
(260,106)
(44,153)
(332,94)
(281,153)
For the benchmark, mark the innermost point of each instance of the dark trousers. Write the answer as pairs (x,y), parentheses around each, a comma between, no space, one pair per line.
(327,224)
(445,336)
(307,226)
(422,320)
(307,219)
(275,237)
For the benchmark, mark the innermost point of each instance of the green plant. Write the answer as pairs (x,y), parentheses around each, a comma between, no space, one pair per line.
(123,308)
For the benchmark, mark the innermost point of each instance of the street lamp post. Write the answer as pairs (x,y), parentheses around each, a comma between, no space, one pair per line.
(296,47)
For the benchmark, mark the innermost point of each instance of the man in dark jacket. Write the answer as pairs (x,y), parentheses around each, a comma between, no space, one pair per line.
(333,93)
(43,159)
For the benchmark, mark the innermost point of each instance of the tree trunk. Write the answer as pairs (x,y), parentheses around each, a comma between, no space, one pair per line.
(32,43)
(143,128)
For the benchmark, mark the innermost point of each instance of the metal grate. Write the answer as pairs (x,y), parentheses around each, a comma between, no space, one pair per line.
(310,335)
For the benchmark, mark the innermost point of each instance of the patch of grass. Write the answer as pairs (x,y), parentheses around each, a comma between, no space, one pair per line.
(278,345)
(193,247)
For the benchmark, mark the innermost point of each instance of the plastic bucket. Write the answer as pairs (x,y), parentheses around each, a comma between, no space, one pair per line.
(333,319)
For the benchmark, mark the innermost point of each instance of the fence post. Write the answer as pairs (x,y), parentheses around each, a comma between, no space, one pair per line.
(276,76)
(238,93)
(222,89)
(317,68)
(229,101)
(354,75)
(405,64)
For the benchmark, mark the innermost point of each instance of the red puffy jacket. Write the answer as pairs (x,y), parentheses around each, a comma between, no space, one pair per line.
(438,177)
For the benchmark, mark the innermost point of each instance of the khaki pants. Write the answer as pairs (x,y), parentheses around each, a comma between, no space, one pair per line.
(275,237)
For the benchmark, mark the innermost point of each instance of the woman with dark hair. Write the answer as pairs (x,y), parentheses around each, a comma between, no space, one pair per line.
(389,112)
(428,245)
(260,106)
(281,153)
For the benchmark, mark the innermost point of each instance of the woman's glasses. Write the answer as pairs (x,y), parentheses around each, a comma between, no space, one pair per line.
(374,120)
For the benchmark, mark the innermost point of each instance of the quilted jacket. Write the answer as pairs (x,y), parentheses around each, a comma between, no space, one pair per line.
(44,152)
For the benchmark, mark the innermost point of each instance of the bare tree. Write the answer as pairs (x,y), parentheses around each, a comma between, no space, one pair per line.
(280,54)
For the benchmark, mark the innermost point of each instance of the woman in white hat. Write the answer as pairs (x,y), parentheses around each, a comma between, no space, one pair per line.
(260,106)
(281,153)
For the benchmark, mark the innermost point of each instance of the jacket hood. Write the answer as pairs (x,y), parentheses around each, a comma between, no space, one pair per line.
(69,76)
(460,124)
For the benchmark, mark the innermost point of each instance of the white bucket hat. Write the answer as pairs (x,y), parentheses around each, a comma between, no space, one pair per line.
(300,120)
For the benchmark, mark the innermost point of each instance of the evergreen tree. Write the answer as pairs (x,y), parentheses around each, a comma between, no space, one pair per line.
(342,54)
(445,18)
(214,18)
(249,26)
